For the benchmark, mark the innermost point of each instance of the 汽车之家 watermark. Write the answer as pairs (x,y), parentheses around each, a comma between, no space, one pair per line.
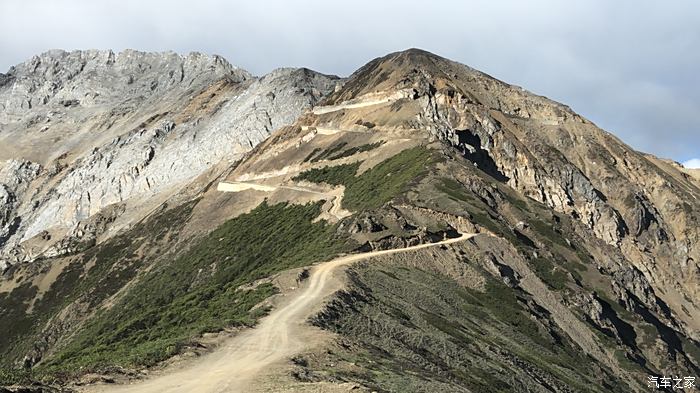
(680,383)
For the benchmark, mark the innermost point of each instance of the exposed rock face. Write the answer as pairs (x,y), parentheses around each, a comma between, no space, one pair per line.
(15,177)
(91,79)
(110,128)
(643,207)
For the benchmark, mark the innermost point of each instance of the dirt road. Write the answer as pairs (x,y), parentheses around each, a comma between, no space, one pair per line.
(285,332)
(366,100)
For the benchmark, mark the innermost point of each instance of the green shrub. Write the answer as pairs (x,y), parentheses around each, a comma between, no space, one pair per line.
(333,175)
(453,189)
(356,149)
(553,276)
(311,155)
(377,185)
(328,152)
(387,179)
(113,264)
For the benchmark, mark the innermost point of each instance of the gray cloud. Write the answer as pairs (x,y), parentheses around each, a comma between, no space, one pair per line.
(630,66)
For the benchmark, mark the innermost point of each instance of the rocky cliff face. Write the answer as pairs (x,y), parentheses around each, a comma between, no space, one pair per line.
(643,208)
(84,130)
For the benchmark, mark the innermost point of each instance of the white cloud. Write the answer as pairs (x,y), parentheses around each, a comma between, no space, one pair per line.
(693,163)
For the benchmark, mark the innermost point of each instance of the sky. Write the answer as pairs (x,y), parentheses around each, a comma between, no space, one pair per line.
(632,67)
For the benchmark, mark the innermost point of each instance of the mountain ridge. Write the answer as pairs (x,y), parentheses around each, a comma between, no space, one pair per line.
(589,271)
(62,130)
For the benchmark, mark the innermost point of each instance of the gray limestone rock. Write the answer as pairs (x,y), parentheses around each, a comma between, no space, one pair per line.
(116,127)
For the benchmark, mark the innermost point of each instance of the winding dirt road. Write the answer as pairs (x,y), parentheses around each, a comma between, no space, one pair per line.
(285,332)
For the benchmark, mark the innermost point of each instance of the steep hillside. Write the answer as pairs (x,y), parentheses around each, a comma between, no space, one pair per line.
(595,242)
(578,273)
(548,153)
(93,140)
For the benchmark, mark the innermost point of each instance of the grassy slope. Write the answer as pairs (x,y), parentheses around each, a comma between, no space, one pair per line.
(183,296)
(416,331)
(336,151)
(199,291)
(377,185)
(553,274)
(413,331)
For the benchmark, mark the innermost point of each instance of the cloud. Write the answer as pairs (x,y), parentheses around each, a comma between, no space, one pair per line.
(629,66)
(692,163)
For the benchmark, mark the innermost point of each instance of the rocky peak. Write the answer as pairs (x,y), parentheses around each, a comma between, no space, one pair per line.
(57,65)
(110,127)
(58,78)
(593,237)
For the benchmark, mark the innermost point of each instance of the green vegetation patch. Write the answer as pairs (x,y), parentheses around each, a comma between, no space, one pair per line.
(479,212)
(378,185)
(326,153)
(200,291)
(356,149)
(453,189)
(311,155)
(334,152)
(334,175)
(553,276)
(549,233)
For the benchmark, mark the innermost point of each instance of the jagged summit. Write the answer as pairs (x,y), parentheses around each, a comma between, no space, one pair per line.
(302,73)
(96,77)
(398,70)
(410,59)
(108,57)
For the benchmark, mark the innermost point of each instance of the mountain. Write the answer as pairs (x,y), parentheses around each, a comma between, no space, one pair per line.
(98,133)
(150,212)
